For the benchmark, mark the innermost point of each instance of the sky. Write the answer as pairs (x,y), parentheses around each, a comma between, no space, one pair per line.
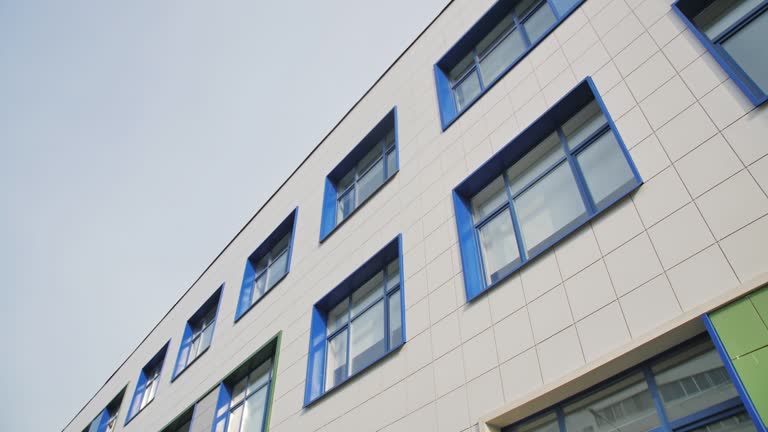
(136,138)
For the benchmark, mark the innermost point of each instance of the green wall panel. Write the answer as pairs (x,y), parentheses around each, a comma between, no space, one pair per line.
(760,301)
(753,370)
(740,328)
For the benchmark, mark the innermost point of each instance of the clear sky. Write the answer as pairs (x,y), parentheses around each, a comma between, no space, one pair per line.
(136,138)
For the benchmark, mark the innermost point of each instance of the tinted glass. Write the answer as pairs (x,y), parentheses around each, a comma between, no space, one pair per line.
(391,163)
(336,365)
(235,419)
(549,208)
(393,274)
(606,169)
(346,205)
(495,34)
(337,317)
(626,406)
(462,67)
(206,338)
(467,90)
(721,14)
(238,391)
(370,181)
(548,423)
(692,381)
(395,320)
(489,199)
(583,124)
(539,22)
(259,376)
(368,293)
(499,245)
(259,287)
(534,163)
(278,268)
(367,341)
(563,6)
(740,422)
(501,56)
(749,49)
(253,418)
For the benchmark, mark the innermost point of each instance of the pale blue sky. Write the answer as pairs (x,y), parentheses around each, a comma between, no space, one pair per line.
(136,138)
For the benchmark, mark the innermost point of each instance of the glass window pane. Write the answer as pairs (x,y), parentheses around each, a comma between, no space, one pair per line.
(563,6)
(253,418)
(391,163)
(548,423)
(749,50)
(370,181)
(336,369)
(395,320)
(278,269)
(259,287)
(721,14)
(605,169)
(346,205)
(467,90)
(583,124)
(367,341)
(524,7)
(206,338)
(539,22)
(337,317)
(235,418)
(692,381)
(462,67)
(534,163)
(371,291)
(238,391)
(195,349)
(261,264)
(393,274)
(281,246)
(345,182)
(495,34)
(740,422)
(373,154)
(499,246)
(259,376)
(501,56)
(549,208)
(626,406)
(489,199)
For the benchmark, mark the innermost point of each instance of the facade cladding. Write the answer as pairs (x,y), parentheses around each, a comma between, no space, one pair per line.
(546,216)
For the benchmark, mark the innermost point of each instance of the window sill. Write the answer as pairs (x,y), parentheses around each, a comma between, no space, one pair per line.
(328,234)
(188,365)
(354,376)
(549,245)
(238,317)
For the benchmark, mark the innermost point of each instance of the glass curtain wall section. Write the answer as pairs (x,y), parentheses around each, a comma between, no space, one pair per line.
(366,177)
(364,326)
(687,390)
(576,171)
(517,31)
(249,404)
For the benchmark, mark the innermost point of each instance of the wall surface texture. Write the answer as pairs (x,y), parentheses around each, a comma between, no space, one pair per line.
(696,229)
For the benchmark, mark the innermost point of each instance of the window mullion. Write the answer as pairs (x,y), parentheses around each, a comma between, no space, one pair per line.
(521,28)
(560,418)
(656,396)
(581,183)
(480,80)
(386,309)
(349,337)
(515,221)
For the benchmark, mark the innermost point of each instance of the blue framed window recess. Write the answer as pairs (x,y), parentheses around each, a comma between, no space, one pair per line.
(563,170)
(106,421)
(360,174)
(358,323)
(491,48)
(146,385)
(734,32)
(198,333)
(245,396)
(267,265)
(685,390)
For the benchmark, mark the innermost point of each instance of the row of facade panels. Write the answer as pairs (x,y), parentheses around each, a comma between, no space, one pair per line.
(523,223)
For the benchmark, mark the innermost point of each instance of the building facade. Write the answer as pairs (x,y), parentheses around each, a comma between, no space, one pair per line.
(546,215)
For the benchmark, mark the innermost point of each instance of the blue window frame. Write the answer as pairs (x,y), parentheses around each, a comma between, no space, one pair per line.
(686,389)
(491,48)
(146,385)
(360,174)
(267,265)
(358,323)
(564,169)
(245,396)
(734,32)
(198,333)
(106,421)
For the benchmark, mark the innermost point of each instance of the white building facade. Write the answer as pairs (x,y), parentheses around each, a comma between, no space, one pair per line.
(546,215)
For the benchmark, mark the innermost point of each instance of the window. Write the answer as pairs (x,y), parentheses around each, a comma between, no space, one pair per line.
(246,395)
(563,170)
(146,385)
(181,423)
(687,389)
(501,38)
(267,265)
(363,172)
(357,323)
(106,421)
(734,32)
(198,333)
